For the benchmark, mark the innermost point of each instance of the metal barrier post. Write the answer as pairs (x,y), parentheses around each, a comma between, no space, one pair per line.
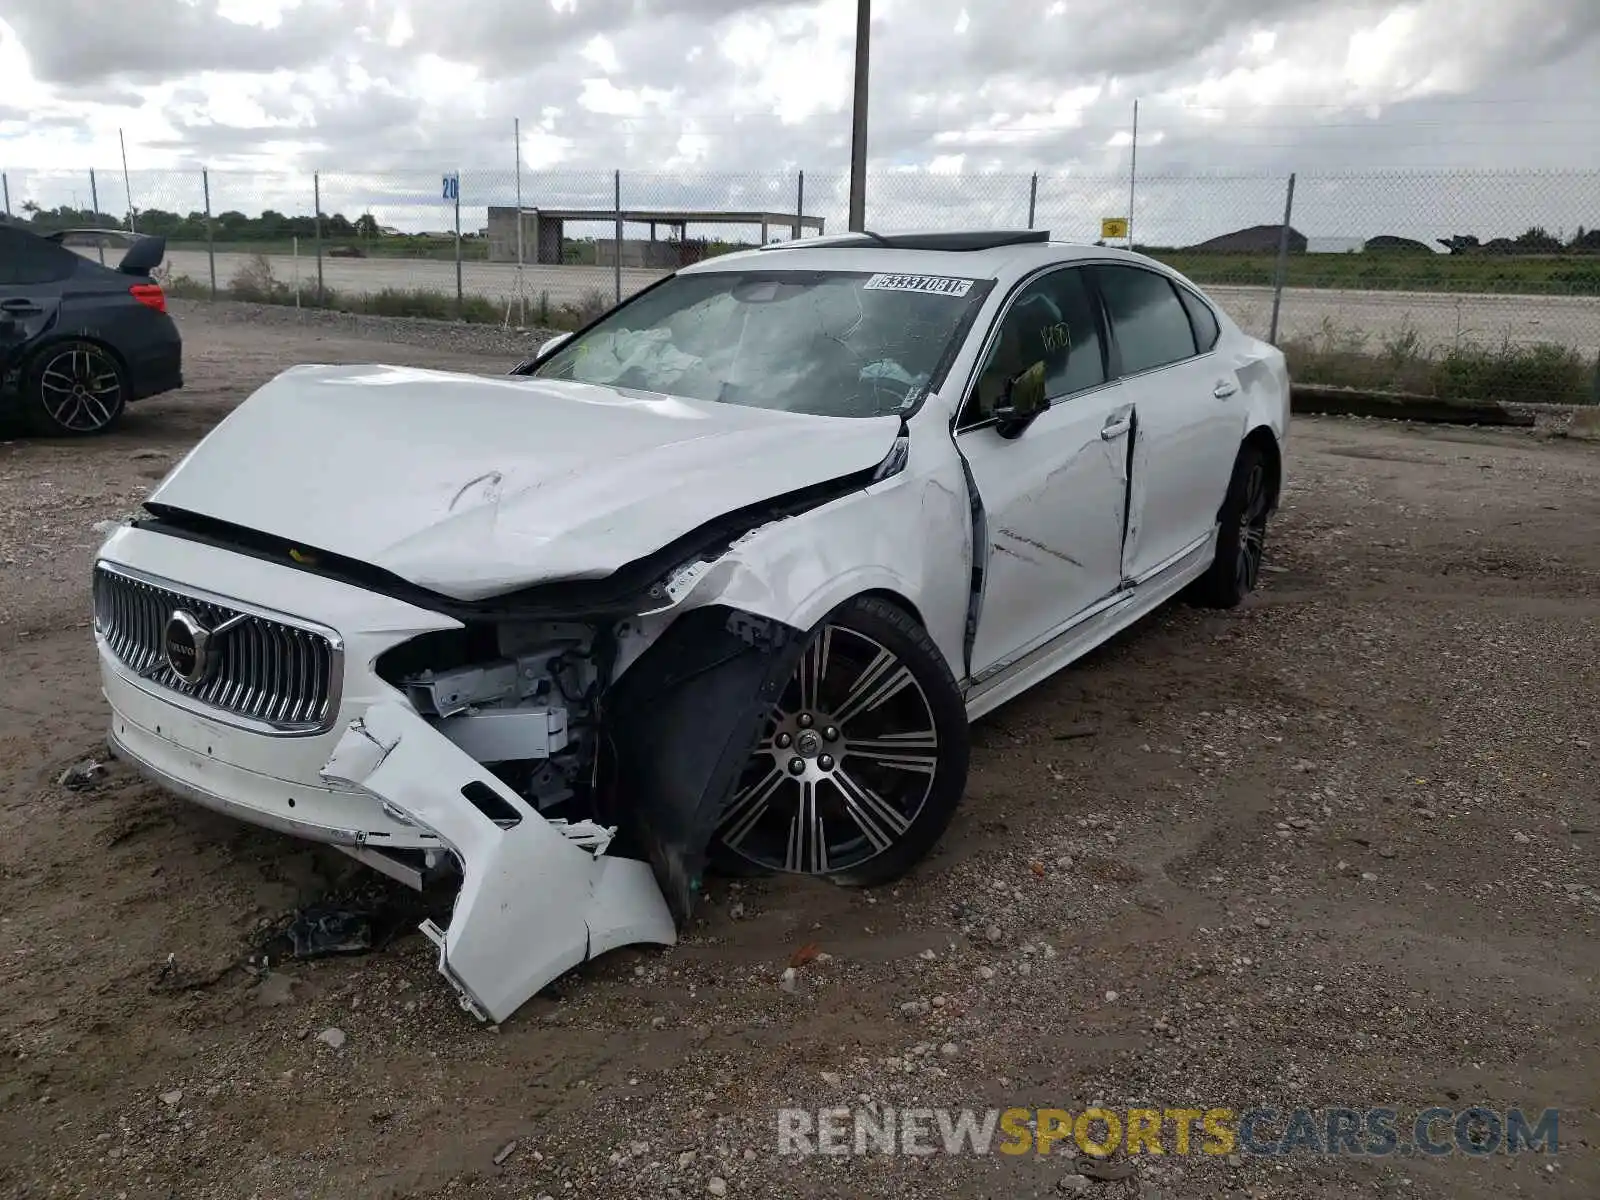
(211,232)
(316,192)
(461,302)
(1283,261)
(94,203)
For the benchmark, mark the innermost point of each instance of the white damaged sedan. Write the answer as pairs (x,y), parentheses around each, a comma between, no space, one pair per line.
(722,577)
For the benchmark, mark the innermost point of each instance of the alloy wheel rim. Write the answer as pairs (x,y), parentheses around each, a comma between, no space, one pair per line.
(80,389)
(845,765)
(1252,529)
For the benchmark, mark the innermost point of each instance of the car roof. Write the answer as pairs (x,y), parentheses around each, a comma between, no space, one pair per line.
(993,254)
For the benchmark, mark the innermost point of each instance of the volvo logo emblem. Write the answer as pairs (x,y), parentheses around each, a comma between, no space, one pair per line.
(189,644)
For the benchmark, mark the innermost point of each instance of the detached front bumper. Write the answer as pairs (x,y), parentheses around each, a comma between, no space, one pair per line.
(537,897)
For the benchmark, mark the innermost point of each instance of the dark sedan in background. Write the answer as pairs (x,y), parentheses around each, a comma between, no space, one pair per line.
(80,341)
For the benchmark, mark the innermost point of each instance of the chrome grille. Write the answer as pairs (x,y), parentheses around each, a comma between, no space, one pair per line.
(268,672)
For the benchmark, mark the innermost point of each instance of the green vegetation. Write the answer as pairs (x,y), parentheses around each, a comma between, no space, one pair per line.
(1571,274)
(1538,373)
(256,283)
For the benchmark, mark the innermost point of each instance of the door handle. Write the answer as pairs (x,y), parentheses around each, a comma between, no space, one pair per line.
(1224,389)
(19,306)
(1115,429)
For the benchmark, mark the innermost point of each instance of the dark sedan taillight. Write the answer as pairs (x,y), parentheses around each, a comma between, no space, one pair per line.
(150,295)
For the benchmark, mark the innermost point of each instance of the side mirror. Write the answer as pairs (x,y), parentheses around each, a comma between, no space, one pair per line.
(1024,400)
(549,347)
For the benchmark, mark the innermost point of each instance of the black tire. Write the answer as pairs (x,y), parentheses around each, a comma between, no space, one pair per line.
(74,389)
(1241,538)
(892,689)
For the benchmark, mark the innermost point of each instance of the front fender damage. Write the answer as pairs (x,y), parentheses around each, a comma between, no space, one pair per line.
(538,897)
(684,720)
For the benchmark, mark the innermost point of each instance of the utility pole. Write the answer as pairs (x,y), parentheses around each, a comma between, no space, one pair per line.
(858,119)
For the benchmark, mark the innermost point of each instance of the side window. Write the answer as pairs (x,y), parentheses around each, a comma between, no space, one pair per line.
(1151,325)
(1204,321)
(1053,321)
(26,259)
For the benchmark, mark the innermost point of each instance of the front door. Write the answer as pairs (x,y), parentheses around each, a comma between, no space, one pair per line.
(30,290)
(1055,496)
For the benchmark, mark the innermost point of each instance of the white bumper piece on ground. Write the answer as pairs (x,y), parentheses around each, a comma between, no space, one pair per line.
(537,897)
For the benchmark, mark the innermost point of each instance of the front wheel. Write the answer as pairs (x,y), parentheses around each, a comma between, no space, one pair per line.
(1242,536)
(863,761)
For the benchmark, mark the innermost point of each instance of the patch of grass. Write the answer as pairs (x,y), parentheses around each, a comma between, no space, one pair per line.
(185,287)
(255,282)
(1385,271)
(1540,372)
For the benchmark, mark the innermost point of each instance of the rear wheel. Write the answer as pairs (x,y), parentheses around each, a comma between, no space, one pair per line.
(863,761)
(1241,540)
(75,389)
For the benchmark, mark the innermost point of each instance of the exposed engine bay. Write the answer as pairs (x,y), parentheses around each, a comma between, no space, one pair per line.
(521,699)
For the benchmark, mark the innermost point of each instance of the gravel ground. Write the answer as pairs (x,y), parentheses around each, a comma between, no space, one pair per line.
(1336,848)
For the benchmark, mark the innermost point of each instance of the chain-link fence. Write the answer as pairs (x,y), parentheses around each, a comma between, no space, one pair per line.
(1436,282)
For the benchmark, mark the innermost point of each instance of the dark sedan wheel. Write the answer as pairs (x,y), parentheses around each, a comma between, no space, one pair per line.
(863,761)
(77,389)
(1242,536)
(1252,528)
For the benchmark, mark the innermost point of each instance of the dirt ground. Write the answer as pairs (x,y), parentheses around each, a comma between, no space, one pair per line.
(1336,848)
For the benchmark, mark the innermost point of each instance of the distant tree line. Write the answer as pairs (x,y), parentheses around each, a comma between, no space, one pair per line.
(230,226)
(1536,240)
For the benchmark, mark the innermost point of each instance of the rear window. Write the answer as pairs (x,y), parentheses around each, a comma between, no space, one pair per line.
(1151,325)
(26,259)
(1206,329)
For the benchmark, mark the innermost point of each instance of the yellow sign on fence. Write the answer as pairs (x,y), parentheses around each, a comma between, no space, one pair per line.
(1113,227)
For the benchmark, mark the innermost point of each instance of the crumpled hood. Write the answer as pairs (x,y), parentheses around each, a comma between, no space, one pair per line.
(472,486)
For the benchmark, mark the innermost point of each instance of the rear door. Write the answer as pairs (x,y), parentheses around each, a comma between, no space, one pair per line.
(32,273)
(1190,417)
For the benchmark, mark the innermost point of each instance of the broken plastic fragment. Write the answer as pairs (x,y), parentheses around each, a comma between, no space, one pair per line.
(591,836)
(537,897)
(319,931)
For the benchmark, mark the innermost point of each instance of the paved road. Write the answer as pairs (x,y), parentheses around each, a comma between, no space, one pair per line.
(1438,318)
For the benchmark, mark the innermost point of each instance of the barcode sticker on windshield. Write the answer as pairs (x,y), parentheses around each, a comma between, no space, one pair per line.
(938,285)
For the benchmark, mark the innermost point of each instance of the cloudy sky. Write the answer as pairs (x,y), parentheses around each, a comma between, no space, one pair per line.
(373,90)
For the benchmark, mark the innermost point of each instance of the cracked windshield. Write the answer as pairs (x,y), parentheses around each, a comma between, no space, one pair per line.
(844,344)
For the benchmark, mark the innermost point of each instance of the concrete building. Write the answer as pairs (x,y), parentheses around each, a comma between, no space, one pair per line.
(544,233)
